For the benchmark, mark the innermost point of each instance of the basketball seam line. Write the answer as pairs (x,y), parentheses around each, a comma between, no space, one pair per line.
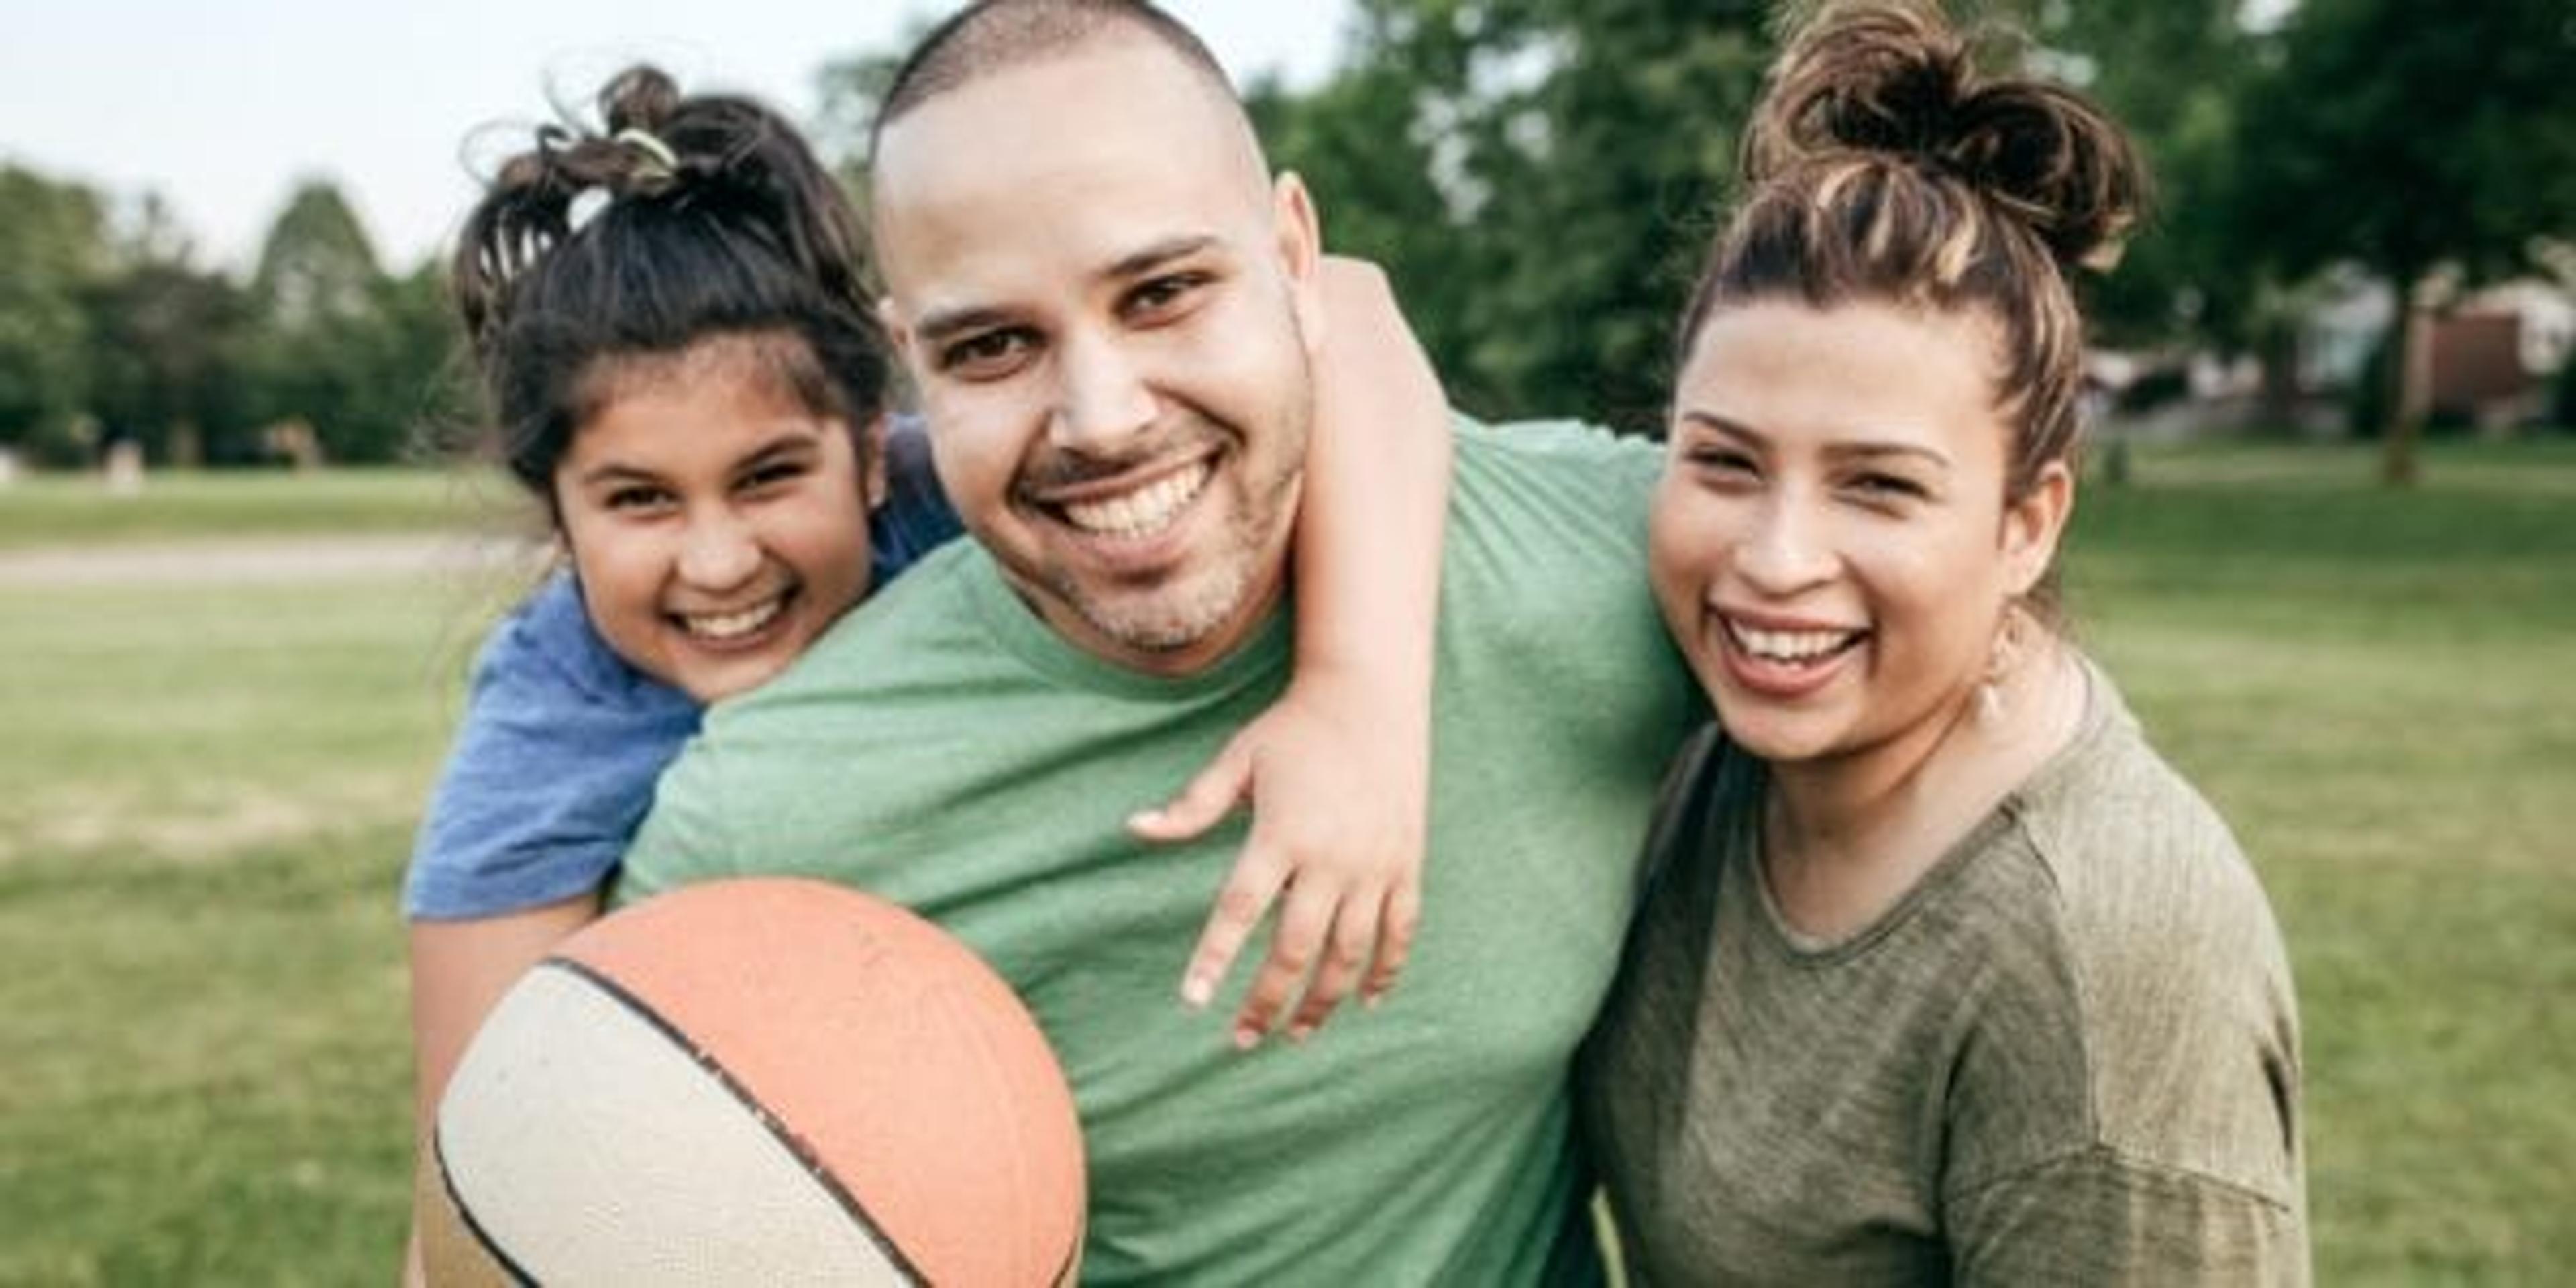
(465,1212)
(795,1145)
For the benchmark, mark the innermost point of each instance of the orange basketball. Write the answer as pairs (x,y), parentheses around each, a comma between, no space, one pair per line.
(758,1081)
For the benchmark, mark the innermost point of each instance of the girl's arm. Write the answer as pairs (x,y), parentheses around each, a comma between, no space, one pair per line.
(459,970)
(553,763)
(1338,771)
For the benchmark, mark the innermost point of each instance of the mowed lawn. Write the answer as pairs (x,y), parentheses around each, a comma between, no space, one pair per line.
(209,789)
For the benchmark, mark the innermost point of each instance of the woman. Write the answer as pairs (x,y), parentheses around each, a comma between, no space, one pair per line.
(1946,977)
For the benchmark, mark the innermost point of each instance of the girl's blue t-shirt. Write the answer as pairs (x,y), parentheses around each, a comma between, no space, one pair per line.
(554,763)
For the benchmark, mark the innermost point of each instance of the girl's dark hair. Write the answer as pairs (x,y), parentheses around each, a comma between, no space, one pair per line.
(712,219)
(1883,167)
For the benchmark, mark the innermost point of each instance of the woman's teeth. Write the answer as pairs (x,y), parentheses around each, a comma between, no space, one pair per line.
(1790,646)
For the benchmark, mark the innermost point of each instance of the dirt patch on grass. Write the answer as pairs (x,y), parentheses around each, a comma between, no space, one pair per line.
(206,830)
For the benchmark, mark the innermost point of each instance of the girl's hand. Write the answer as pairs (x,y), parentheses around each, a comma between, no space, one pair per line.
(1338,794)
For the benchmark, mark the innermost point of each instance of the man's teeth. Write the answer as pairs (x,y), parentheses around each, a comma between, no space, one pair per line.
(728,626)
(1790,646)
(1143,512)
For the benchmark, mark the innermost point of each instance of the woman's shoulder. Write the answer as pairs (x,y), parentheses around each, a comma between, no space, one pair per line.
(2163,962)
(2139,860)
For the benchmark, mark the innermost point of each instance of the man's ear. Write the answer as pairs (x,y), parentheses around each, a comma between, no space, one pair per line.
(896,332)
(1301,242)
(2033,525)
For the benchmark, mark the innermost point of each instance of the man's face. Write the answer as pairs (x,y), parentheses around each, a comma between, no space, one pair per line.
(1104,302)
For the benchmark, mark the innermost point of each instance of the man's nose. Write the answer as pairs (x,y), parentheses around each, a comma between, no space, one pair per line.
(1104,399)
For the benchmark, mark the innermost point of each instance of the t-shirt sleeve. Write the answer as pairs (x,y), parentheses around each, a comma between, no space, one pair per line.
(2095,1217)
(1621,468)
(552,768)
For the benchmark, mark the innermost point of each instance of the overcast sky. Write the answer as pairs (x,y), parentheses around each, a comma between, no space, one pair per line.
(223,107)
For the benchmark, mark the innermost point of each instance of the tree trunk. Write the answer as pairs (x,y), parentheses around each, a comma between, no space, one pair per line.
(2276,348)
(2409,387)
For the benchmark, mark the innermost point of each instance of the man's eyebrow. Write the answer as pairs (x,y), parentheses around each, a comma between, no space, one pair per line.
(940,324)
(1160,253)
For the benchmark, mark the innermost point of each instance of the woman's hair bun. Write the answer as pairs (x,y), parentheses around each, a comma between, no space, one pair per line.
(1891,77)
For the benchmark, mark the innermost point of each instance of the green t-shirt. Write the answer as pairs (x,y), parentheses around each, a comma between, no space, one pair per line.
(2069,1055)
(944,748)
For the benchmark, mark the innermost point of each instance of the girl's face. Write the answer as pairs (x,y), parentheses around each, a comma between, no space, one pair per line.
(1830,542)
(718,525)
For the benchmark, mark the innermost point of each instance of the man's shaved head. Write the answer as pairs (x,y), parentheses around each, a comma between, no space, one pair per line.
(997,35)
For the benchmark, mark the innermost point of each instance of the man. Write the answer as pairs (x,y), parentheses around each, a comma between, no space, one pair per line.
(1108,307)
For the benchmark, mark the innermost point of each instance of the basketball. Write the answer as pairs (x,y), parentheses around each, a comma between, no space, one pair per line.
(767,1081)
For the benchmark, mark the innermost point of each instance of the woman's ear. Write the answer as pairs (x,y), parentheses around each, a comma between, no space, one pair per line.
(2033,525)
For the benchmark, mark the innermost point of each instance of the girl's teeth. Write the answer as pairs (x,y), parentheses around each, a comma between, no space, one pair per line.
(1143,512)
(727,626)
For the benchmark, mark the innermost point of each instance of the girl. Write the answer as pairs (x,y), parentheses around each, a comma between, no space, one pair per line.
(1949,976)
(692,380)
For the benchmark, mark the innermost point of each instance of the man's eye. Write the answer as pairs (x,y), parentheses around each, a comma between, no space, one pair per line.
(985,354)
(772,474)
(1161,296)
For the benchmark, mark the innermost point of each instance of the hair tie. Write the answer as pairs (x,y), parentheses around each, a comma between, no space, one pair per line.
(664,164)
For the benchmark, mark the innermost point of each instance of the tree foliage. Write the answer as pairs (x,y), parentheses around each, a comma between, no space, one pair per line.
(1542,177)
(2409,143)
(53,253)
(351,353)
(110,330)
(1539,176)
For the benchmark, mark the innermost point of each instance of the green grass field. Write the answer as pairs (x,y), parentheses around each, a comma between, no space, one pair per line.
(210,790)
(54,510)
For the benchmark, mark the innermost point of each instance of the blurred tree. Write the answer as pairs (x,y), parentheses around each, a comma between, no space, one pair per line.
(2411,146)
(315,265)
(2172,73)
(849,90)
(336,344)
(53,254)
(1542,177)
(166,361)
(1539,176)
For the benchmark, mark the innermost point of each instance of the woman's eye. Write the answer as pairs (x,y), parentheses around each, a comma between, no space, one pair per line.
(1723,461)
(1888,487)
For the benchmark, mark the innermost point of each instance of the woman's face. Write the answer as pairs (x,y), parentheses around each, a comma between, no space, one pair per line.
(1830,543)
(718,525)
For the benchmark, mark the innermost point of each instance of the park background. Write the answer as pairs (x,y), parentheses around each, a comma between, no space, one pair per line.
(2327,546)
